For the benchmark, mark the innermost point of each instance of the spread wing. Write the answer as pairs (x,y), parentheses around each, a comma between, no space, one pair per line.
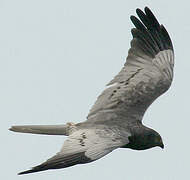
(147,73)
(84,146)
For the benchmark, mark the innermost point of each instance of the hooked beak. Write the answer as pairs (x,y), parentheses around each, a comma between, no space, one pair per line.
(162,146)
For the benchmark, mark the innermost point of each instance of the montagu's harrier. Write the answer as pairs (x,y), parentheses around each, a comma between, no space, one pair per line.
(115,120)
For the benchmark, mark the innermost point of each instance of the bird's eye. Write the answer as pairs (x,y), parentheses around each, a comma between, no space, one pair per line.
(157,139)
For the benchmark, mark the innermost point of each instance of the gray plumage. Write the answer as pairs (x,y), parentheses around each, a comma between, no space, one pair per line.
(115,120)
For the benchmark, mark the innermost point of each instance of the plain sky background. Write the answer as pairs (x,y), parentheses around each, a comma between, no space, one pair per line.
(55,59)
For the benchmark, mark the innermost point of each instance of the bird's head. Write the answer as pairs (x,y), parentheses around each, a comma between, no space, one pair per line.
(144,138)
(156,139)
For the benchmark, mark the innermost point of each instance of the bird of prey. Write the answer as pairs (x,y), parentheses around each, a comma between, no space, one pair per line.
(115,120)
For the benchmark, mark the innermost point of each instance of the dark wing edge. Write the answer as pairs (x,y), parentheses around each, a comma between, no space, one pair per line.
(149,38)
(57,162)
(153,35)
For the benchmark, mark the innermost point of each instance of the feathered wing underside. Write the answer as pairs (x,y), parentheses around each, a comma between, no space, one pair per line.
(147,73)
(84,146)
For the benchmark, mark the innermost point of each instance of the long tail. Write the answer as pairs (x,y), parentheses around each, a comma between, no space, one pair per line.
(45,129)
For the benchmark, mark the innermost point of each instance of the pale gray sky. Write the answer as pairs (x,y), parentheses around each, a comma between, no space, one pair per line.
(55,59)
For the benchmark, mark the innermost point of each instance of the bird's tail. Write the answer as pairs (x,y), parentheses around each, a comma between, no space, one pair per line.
(45,129)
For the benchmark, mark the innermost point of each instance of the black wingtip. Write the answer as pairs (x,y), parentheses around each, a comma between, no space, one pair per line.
(26,172)
(147,8)
(138,10)
(150,31)
(132,17)
(148,11)
(33,170)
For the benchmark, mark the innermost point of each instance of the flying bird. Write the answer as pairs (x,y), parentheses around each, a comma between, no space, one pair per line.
(115,120)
